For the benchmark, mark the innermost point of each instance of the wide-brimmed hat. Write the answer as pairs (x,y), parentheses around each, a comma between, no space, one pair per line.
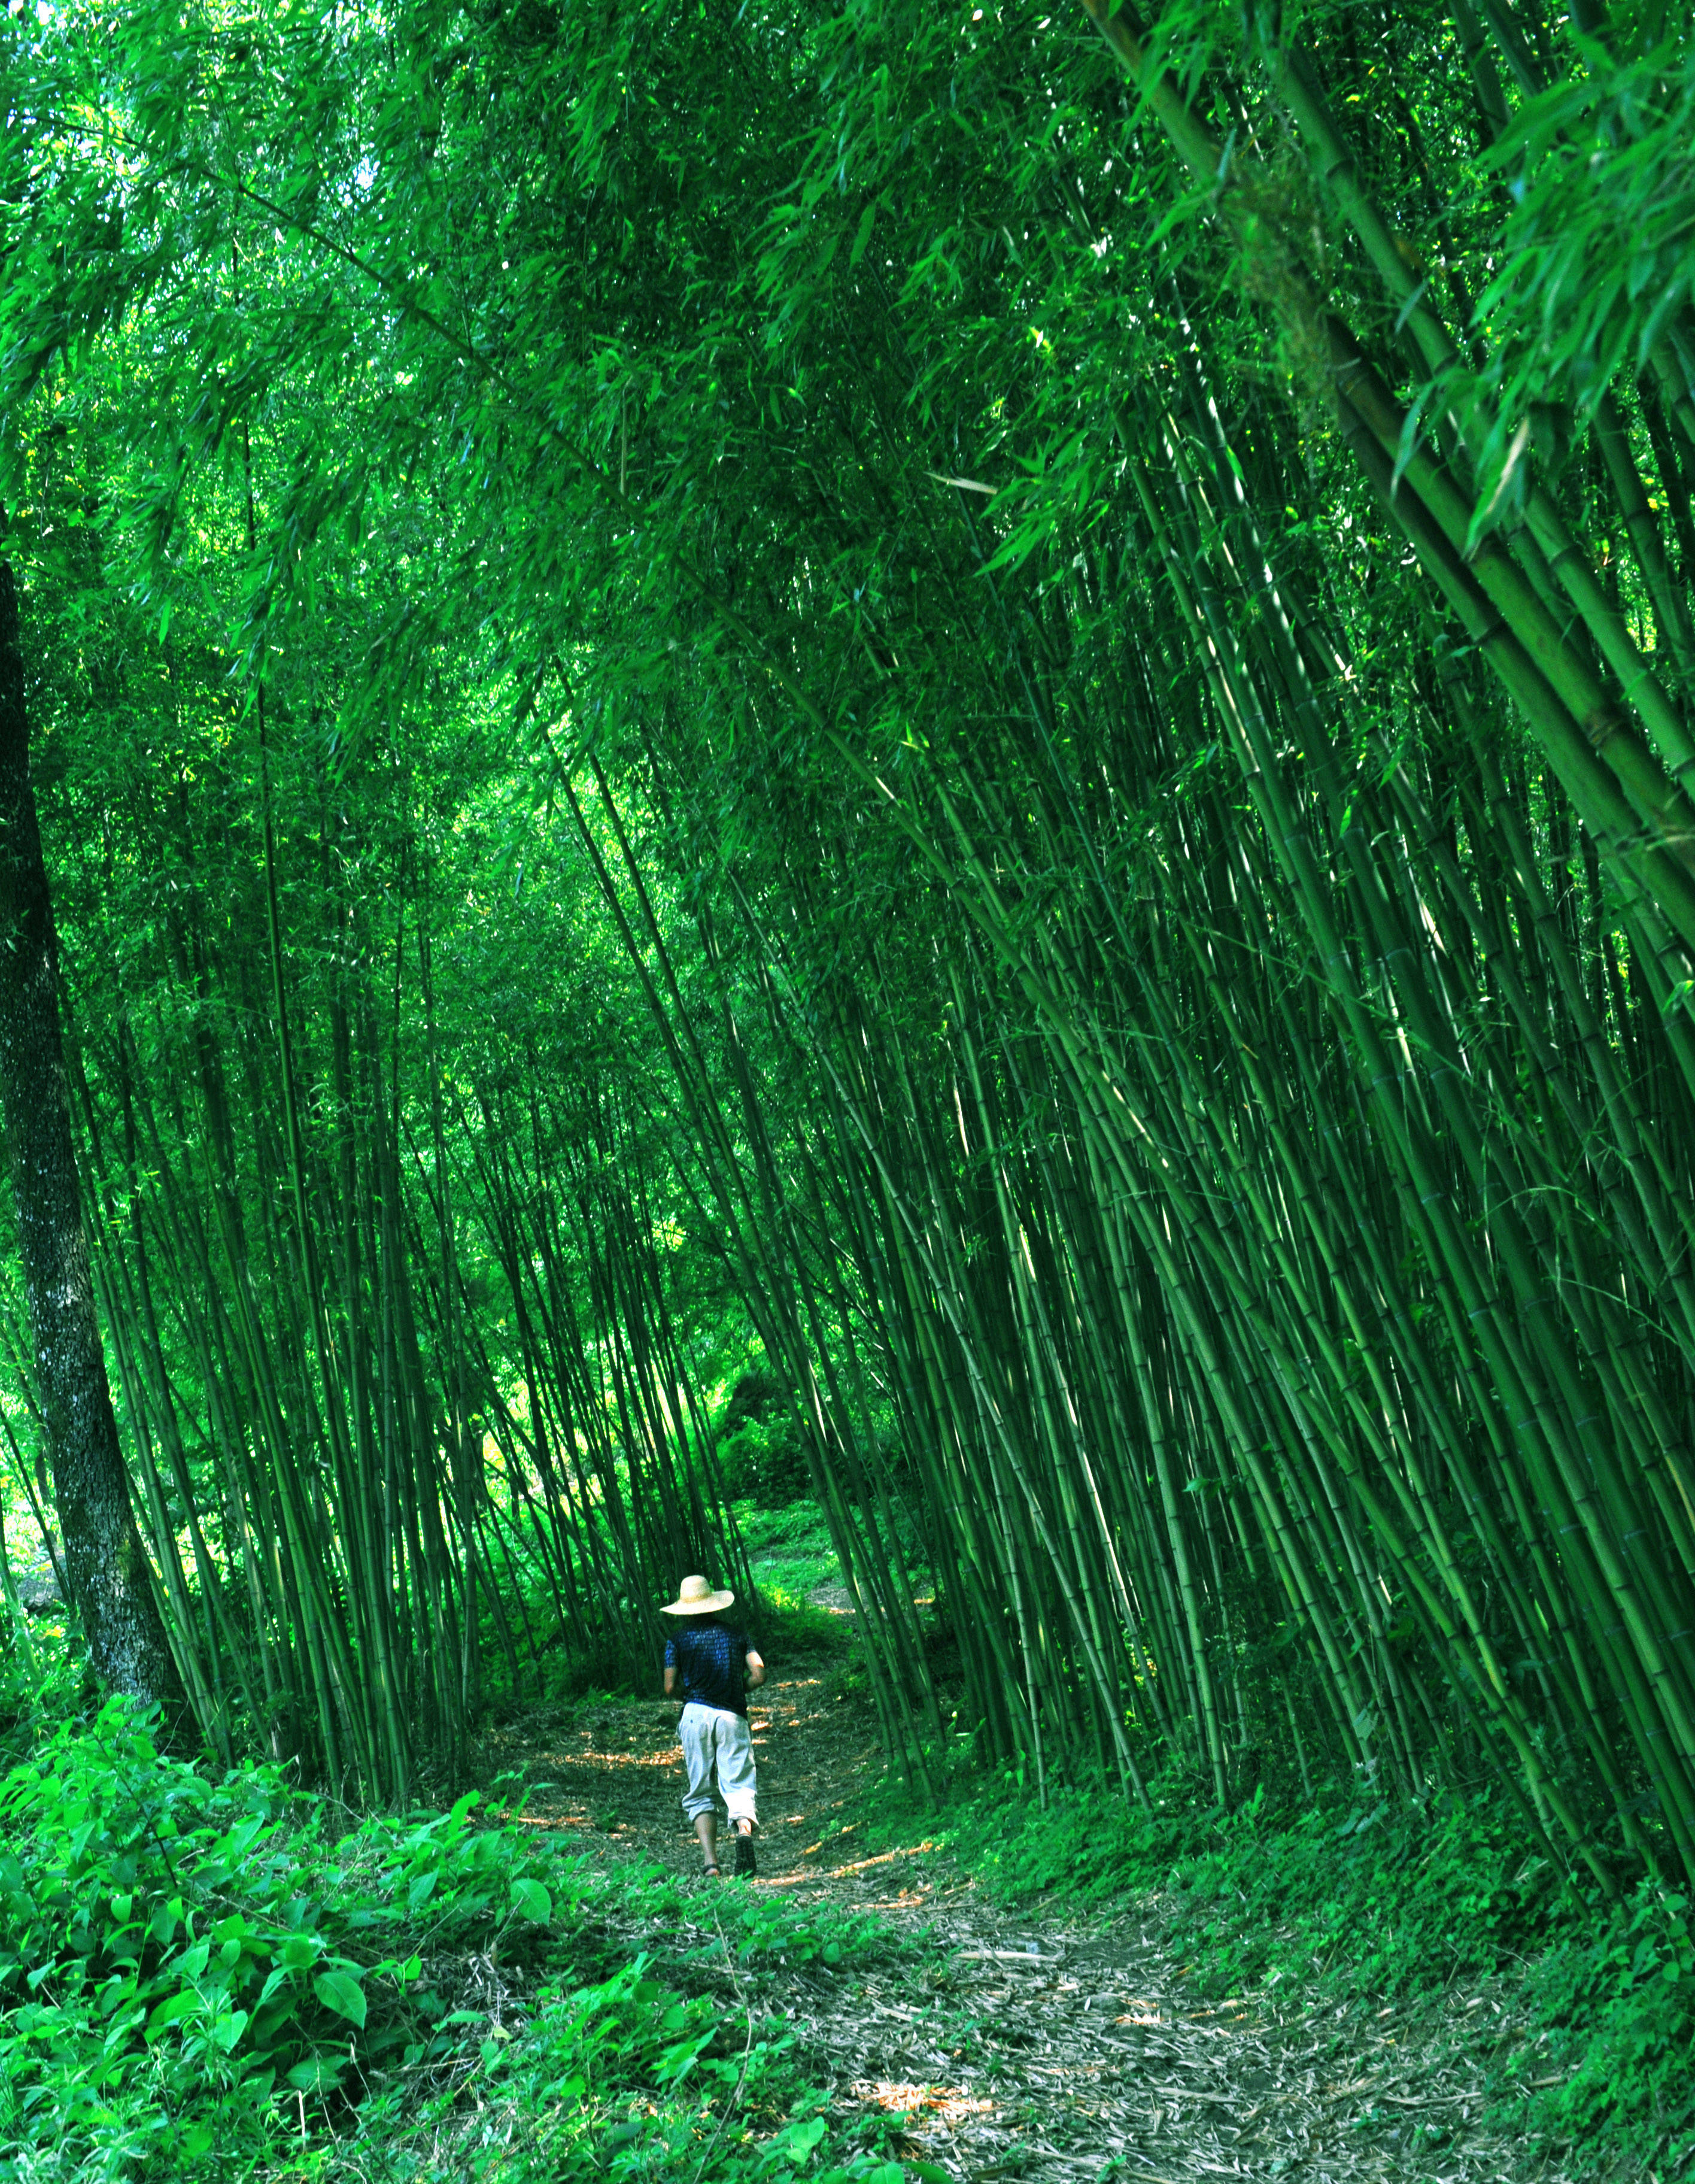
(695,1596)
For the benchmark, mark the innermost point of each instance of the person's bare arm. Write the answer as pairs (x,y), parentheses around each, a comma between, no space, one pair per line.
(756,1671)
(670,1683)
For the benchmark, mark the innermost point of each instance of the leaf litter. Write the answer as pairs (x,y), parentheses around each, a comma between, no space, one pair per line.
(986,2044)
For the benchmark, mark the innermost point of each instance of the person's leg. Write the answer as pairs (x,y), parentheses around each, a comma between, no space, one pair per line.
(694,1733)
(738,1782)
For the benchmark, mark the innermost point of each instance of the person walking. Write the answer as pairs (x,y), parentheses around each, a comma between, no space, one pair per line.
(712,1667)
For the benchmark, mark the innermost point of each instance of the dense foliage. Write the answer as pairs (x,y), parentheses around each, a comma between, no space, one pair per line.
(996,717)
(196,1972)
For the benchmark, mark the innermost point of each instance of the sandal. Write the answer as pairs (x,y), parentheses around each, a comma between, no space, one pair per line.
(746,1863)
(713,1874)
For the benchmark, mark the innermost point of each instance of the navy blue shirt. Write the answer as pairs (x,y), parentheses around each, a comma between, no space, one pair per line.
(711,1655)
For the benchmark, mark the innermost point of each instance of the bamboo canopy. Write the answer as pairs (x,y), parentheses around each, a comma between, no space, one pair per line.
(1031,731)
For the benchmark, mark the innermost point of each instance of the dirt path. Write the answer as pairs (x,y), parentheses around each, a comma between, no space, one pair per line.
(1045,2046)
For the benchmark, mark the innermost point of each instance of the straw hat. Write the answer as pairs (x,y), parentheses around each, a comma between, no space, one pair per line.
(695,1596)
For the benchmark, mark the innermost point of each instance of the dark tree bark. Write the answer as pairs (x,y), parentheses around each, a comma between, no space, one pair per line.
(104,1560)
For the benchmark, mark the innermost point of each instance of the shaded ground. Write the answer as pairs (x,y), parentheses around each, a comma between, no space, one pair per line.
(1044,2046)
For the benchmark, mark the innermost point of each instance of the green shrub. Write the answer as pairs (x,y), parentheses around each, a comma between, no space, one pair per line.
(176,1953)
(216,1978)
(764,1462)
(790,1623)
(1621,2007)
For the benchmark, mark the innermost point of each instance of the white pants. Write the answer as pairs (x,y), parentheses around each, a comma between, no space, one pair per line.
(708,1735)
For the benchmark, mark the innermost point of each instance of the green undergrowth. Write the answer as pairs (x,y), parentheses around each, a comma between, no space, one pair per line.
(791,1557)
(792,1625)
(1364,1903)
(235,1979)
(788,1549)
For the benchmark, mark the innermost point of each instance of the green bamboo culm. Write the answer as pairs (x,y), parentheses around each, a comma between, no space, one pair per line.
(1035,750)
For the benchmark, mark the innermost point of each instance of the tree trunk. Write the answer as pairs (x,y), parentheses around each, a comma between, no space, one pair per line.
(110,1580)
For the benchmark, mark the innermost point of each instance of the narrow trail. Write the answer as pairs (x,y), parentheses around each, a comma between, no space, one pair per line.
(1040,2047)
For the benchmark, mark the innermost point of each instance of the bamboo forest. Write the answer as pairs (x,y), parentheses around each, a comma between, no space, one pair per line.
(848,1059)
